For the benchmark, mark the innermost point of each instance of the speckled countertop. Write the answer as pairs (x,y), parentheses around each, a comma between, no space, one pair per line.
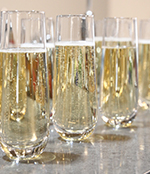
(107,151)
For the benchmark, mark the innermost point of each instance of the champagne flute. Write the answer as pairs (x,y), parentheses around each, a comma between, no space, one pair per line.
(50,47)
(119,75)
(25,119)
(98,49)
(144,66)
(1,69)
(74,99)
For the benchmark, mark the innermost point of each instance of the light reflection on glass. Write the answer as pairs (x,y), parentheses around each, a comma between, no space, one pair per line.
(86,151)
(141,147)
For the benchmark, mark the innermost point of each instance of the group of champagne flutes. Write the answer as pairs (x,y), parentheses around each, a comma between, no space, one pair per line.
(89,66)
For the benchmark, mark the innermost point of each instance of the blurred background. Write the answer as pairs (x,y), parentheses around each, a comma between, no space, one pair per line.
(100,8)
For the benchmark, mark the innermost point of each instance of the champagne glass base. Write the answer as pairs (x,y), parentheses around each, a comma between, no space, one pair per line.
(145,105)
(17,115)
(27,153)
(126,122)
(70,135)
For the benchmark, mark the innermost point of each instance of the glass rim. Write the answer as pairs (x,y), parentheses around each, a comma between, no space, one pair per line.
(74,15)
(120,18)
(99,20)
(49,18)
(144,20)
(22,11)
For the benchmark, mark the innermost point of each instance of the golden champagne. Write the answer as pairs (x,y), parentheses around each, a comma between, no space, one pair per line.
(98,55)
(1,69)
(144,72)
(119,92)
(25,120)
(74,98)
(50,56)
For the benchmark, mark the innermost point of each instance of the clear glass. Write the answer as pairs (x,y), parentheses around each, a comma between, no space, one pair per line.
(50,48)
(144,65)
(1,69)
(98,49)
(74,96)
(119,72)
(25,106)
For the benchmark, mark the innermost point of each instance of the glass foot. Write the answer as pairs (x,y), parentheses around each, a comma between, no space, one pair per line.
(71,135)
(118,122)
(27,153)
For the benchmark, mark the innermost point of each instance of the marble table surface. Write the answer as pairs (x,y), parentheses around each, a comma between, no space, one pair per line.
(107,151)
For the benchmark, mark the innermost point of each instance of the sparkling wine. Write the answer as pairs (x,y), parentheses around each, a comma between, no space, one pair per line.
(98,55)
(50,56)
(144,71)
(25,120)
(74,98)
(1,69)
(118,101)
